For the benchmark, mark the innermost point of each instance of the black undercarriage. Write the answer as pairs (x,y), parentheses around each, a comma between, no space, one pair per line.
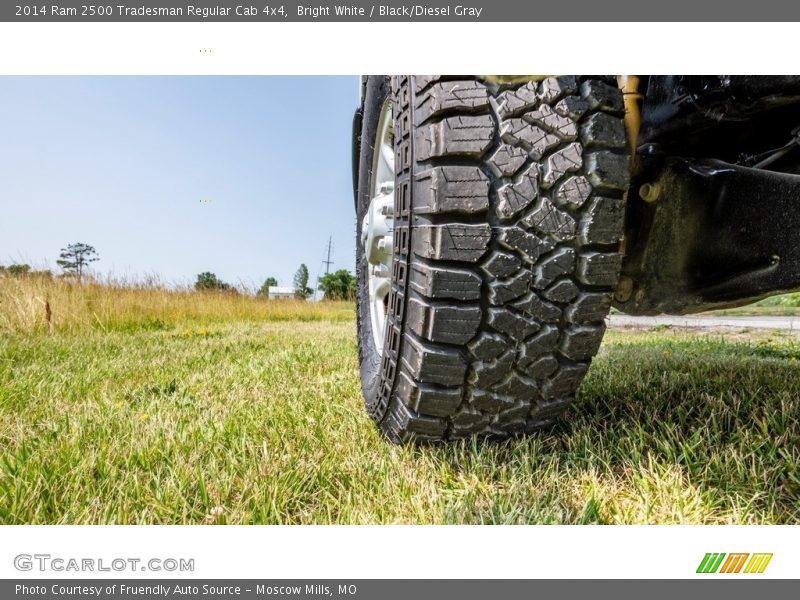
(714,207)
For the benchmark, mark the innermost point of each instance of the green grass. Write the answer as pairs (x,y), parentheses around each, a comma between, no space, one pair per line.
(785,305)
(138,404)
(256,420)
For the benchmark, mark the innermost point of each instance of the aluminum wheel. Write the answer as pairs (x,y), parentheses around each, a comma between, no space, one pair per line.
(378,225)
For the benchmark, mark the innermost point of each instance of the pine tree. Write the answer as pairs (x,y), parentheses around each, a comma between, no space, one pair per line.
(75,258)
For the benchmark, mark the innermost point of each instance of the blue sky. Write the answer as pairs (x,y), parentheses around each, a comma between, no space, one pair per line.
(243,176)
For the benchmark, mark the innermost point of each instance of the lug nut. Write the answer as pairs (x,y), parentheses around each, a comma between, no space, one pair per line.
(385,243)
(387,187)
(380,270)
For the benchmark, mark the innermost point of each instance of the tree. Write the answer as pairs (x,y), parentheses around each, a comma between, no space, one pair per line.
(75,258)
(339,285)
(268,283)
(24,270)
(207,281)
(301,289)
(18,269)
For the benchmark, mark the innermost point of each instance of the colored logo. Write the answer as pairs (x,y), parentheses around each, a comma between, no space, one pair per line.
(742,562)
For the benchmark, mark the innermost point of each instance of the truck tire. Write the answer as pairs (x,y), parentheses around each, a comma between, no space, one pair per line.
(492,248)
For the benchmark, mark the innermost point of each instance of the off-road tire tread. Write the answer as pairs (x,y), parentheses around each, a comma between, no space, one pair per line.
(509,209)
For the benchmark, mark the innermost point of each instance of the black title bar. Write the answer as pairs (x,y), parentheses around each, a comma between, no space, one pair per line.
(435,11)
(398,589)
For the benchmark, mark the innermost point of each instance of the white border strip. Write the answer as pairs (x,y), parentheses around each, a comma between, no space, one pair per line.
(472,552)
(356,48)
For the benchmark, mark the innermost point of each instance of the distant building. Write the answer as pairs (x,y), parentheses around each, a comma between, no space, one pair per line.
(280,293)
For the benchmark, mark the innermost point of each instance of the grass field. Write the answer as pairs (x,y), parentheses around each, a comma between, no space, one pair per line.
(785,305)
(150,406)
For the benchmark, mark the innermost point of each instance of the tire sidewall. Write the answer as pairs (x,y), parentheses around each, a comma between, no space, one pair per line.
(378,89)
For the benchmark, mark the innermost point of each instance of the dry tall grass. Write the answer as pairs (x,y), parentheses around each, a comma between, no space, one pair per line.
(34,304)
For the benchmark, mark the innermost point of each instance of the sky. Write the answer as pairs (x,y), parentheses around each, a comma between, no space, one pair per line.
(246,177)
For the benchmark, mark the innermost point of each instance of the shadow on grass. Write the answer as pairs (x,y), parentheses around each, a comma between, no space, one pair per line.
(722,418)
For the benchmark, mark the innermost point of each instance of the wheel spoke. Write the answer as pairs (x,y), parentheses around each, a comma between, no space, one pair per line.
(383,286)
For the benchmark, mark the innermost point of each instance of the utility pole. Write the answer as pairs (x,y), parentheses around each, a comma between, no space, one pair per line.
(328,262)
